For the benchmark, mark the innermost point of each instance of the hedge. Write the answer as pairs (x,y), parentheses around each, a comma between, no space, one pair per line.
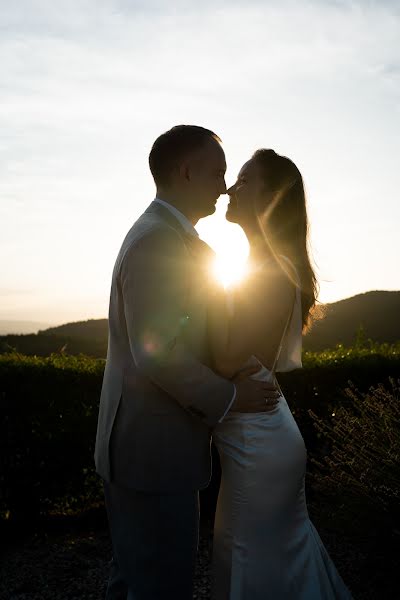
(49,408)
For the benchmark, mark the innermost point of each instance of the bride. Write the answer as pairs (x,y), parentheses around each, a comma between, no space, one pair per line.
(265,546)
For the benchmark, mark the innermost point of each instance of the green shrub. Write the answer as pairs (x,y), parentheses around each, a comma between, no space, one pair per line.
(361,473)
(45,344)
(49,413)
(49,408)
(320,385)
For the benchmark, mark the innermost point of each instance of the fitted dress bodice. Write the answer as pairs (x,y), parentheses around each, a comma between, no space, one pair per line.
(265,546)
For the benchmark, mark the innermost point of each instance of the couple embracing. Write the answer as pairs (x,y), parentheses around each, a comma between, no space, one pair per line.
(188,362)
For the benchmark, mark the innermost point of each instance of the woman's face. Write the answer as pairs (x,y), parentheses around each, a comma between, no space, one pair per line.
(243,195)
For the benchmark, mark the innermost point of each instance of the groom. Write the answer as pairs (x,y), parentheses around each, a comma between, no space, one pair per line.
(160,399)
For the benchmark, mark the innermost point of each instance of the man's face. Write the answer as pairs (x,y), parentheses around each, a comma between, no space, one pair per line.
(206,177)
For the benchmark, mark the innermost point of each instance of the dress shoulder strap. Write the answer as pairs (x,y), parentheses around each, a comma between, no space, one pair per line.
(296,283)
(278,352)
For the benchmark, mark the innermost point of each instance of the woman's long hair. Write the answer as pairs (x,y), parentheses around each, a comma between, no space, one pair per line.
(284,222)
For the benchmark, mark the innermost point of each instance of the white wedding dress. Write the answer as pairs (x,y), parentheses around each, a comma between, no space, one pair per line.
(265,546)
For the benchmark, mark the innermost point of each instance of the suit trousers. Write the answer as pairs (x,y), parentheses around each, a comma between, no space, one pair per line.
(155,540)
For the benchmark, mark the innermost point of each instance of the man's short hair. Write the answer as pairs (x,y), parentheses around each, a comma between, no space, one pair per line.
(172,146)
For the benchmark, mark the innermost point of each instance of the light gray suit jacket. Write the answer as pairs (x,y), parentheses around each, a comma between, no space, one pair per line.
(159,399)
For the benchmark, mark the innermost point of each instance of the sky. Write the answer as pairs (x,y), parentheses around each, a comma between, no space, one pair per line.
(86,86)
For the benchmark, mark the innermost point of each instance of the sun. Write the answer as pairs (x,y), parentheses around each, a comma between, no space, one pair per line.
(230,245)
(228,269)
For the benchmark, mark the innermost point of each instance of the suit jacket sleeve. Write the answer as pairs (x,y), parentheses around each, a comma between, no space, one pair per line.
(155,280)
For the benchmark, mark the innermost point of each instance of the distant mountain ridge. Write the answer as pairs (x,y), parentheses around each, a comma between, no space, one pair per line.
(376,312)
(9,326)
(93,329)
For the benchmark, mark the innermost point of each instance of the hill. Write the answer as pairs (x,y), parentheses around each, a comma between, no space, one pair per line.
(18,327)
(95,330)
(377,313)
